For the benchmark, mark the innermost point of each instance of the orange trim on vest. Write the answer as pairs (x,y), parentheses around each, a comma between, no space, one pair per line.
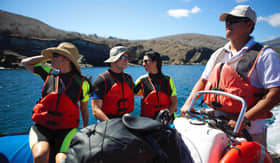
(119,99)
(154,101)
(57,111)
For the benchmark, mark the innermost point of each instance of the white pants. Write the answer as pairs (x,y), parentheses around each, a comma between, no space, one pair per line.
(257,129)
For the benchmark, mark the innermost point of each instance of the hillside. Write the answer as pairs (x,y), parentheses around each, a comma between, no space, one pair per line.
(17,25)
(22,36)
(186,48)
(275,43)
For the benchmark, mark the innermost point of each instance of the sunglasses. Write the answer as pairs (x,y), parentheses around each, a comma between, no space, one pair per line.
(147,60)
(233,20)
(123,57)
(55,55)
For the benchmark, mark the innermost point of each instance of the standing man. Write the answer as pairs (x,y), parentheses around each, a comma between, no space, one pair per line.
(56,114)
(113,89)
(245,68)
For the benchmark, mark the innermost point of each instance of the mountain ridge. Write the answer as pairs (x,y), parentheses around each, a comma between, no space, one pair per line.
(22,36)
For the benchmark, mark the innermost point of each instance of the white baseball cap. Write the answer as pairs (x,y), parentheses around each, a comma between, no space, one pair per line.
(116,53)
(240,11)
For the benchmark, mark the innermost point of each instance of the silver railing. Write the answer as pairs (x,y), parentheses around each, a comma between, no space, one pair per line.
(242,111)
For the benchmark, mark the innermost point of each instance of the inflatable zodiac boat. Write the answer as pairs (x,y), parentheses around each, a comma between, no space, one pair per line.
(210,140)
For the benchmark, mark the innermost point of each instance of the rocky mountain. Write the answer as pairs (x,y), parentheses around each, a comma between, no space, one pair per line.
(22,36)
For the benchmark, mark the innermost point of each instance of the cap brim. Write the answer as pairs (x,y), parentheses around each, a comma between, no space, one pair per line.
(224,16)
(114,58)
(49,52)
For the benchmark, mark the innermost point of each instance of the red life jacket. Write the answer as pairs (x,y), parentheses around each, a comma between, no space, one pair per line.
(154,100)
(234,77)
(119,98)
(58,110)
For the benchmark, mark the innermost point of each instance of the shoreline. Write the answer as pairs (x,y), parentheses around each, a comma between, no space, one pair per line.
(89,66)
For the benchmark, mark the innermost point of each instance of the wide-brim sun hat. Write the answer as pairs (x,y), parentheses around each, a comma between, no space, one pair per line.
(116,53)
(240,11)
(65,49)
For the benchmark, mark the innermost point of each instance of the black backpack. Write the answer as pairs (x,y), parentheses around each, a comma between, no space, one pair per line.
(129,139)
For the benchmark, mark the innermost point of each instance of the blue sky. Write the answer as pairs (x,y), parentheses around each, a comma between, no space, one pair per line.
(145,19)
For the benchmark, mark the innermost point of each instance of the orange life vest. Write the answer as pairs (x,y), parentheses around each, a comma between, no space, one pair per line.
(118,99)
(58,110)
(234,77)
(154,100)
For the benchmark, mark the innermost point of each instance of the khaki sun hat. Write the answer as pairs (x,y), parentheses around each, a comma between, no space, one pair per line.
(116,53)
(241,11)
(65,49)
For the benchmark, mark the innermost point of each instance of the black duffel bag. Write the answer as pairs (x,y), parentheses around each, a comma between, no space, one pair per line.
(129,139)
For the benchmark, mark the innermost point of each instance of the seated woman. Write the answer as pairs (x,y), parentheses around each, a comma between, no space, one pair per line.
(56,114)
(158,90)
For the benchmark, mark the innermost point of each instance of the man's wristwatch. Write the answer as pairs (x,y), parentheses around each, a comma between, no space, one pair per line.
(246,121)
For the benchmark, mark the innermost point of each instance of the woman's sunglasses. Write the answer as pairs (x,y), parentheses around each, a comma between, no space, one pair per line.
(147,60)
(55,55)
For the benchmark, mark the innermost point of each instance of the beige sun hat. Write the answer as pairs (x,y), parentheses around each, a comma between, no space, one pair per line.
(65,49)
(241,11)
(116,53)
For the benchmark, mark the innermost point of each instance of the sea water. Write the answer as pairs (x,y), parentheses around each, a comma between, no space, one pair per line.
(20,89)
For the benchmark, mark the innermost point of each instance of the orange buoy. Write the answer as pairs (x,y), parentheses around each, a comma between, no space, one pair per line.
(247,151)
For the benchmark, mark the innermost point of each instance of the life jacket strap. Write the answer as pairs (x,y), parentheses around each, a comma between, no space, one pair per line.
(54,113)
(51,123)
(158,106)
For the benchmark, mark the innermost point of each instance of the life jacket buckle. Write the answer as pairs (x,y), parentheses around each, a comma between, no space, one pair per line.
(216,104)
(121,100)
(157,106)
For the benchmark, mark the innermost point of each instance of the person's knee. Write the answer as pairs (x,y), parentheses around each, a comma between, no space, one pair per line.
(60,157)
(41,152)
